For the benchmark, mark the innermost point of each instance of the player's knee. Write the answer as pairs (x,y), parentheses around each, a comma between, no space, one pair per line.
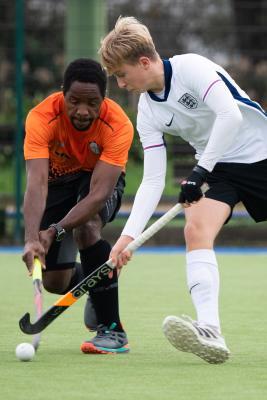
(52,288)
(195,232)
(54,285)
(87,234)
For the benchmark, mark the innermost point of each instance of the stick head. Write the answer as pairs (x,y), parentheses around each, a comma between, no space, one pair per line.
(25,324)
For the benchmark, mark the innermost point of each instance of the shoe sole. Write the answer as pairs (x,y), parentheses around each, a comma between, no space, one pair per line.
(184,337)
(90,348)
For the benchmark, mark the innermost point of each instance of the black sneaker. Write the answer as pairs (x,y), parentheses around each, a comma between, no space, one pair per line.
(107,341)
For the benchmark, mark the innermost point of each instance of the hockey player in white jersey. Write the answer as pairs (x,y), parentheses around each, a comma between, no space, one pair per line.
(191,97)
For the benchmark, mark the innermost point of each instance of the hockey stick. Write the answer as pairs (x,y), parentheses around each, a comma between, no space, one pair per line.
(38,297)
(92,279)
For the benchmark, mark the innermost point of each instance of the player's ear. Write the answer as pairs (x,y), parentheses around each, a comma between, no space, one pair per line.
(144,62)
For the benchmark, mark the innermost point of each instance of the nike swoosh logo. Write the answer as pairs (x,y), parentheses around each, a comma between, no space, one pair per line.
(193,287)
(169,124)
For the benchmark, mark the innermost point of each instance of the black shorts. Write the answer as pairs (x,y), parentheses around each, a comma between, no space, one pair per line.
(63,194)
(234,182)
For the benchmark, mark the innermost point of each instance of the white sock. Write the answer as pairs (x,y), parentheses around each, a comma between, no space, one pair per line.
(203,284)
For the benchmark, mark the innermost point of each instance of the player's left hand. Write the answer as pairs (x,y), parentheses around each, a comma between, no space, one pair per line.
(32,249)
(191,187)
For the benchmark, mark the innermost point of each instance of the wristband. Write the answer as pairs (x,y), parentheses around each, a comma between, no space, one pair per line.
(201,171)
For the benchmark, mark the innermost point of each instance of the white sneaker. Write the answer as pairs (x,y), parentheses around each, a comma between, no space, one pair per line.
(202,340)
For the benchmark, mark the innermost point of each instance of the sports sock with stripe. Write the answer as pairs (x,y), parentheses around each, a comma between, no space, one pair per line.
(203,284)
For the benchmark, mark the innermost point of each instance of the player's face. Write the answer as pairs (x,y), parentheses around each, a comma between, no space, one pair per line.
(134,78)
(83,101)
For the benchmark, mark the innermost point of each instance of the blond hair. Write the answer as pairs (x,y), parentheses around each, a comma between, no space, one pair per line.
(128,41)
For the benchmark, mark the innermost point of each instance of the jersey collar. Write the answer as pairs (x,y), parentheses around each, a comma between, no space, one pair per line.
(167,77)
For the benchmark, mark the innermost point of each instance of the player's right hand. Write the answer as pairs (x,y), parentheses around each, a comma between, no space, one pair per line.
(31,250)
(46,238)
(118,254)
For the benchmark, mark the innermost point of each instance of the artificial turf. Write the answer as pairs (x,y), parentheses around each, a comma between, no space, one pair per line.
(151,287)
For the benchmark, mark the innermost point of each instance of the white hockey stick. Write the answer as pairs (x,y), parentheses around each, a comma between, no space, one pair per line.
(154,228)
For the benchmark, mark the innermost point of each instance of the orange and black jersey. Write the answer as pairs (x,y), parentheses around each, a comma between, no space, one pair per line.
(50,134)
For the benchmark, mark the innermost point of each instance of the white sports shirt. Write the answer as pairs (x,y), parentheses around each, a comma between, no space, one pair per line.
(203,105)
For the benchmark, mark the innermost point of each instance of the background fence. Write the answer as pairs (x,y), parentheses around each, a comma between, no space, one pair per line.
(38,38)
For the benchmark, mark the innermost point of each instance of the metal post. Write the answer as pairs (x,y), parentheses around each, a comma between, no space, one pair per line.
(85,26)
(19,115)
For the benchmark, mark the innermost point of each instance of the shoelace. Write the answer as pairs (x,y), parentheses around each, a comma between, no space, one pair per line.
(103,330)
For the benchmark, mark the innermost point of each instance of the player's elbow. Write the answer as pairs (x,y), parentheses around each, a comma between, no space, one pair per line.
(98,201)
(156,182)
(236,118)
(231,117)
(161,184)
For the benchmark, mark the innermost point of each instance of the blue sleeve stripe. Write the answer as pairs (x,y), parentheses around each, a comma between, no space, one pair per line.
(238,97)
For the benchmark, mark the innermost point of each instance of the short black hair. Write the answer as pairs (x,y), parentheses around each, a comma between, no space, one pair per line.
(85,70)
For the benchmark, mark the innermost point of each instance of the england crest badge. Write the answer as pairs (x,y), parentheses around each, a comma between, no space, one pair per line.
(188,101)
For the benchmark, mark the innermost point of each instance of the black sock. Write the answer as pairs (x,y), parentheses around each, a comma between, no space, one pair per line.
(105,294)
(77,277)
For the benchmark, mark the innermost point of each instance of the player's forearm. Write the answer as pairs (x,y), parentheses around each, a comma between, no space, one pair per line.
(82,212)
(222,136)
(103,182)
(142,209)
(34,206)
(149,192)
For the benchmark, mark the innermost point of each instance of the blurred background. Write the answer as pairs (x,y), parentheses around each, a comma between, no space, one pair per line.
(39,37)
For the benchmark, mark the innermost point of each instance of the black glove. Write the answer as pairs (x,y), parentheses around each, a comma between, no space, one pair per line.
(191,187)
